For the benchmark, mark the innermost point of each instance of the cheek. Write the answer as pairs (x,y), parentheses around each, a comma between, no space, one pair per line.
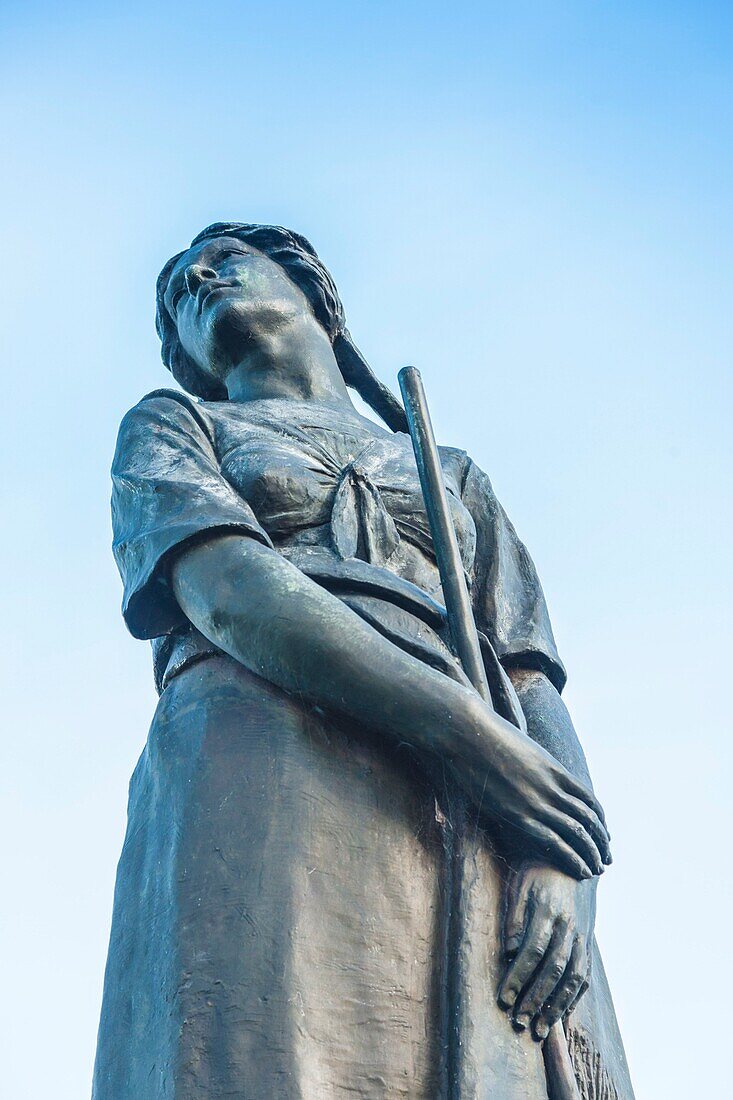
(191,333)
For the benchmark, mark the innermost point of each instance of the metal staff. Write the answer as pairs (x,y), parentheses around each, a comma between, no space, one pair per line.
(558,1067)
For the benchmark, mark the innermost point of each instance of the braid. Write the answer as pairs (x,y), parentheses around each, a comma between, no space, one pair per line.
(357,373)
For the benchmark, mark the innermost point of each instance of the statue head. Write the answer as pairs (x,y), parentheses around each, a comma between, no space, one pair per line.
(283,275)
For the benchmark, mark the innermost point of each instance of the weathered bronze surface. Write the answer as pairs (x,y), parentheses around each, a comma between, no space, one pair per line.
(291,918)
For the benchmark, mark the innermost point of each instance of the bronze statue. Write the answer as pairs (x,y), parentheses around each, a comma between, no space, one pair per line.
(345,873)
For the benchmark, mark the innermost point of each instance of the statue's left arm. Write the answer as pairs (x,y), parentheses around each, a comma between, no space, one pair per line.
(549,918)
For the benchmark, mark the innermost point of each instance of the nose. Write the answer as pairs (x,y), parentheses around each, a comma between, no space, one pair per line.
(196,275)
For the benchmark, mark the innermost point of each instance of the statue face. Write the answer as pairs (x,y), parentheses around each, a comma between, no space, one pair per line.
(226,298)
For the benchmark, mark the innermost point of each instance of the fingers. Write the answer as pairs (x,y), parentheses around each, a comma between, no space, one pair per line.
(555,850)
(579,995)
(590,820)
(580,840)
(525,962)
(578,790)
(586,984)
(566,993)
(545,980)
(516,917)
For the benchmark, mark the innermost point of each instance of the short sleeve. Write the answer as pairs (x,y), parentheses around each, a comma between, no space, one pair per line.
(509,604)
(167,488)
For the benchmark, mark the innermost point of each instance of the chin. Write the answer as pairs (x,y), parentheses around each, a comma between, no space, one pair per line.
(232,323)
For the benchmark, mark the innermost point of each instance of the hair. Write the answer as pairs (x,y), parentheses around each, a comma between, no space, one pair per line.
(300,262)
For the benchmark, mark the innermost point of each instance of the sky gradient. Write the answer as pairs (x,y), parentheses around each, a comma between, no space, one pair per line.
(531,202)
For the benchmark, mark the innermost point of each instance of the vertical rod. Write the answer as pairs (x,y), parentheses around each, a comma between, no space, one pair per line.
(450,564)
(558,1066)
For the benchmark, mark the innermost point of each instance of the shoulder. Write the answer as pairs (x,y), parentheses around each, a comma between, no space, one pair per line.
(165,410)
(471,478)
(455,462)
(164,422)
(165,403)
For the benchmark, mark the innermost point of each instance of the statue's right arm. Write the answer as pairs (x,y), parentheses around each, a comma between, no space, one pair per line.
(260,609)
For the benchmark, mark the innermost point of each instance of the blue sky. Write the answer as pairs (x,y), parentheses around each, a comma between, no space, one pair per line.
(532,202)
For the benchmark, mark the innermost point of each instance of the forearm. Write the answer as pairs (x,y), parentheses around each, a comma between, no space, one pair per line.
(549,722)
(257,607)
(292,632)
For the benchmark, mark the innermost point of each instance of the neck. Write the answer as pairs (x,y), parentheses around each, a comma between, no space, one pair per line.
(289,363)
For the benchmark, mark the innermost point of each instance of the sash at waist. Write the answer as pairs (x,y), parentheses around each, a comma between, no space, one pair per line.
(354,575)
(399,610)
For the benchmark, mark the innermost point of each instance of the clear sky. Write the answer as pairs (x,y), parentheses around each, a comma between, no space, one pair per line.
(529,200)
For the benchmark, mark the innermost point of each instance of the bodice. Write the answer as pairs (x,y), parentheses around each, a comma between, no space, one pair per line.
(334,493)
(319,478)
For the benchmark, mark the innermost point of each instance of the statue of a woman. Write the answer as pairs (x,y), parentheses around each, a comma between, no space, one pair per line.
(288,920)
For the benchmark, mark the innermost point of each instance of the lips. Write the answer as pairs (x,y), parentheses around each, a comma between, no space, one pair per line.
(207,289)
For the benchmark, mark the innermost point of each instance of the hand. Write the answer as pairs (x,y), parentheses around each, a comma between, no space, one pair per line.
(547,936)
(513,780)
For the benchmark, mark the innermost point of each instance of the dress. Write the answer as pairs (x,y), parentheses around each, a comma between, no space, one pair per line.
(263,943)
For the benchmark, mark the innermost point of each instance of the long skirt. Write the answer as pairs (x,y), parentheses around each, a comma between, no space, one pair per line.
(285,920)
